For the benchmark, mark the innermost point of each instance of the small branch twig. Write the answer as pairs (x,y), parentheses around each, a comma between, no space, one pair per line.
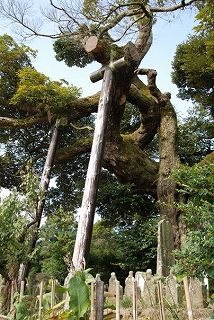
(81,128)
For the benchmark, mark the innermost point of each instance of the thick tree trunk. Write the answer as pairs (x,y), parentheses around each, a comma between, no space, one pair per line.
(166,187)
(10,285)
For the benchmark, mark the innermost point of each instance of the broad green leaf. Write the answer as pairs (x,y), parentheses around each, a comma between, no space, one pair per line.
(61,289)
(79,296)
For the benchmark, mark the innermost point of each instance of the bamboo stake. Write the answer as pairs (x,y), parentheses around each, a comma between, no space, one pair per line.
(40,299)
(134,300)
(11,295)
(188,300)
(53,290)
(99,300)
(160,298)
(21,290)
(117,300)
(92,300)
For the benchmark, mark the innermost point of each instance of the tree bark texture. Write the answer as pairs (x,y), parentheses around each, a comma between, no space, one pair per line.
(87,211)
(166,187)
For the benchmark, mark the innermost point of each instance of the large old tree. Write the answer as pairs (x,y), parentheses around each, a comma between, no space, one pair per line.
(95,31)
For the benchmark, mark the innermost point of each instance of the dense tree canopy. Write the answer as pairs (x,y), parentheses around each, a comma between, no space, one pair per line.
(193,63)
(196,133)
(196,257)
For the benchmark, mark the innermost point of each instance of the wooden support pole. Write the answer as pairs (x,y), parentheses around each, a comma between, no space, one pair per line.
(11,296)
(92,300)
(22,288)
(86,213)
(131,56)
(40,299)
(44,183)
(188,300)
(117,300)
(99,300)
(53,291)
(134,299)
(114,66)
(87,210)
(160,299)
(46,174)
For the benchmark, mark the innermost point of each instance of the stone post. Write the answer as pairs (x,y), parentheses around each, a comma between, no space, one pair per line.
(165,260)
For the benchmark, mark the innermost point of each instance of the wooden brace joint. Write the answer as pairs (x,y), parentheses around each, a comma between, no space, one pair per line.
(131,57)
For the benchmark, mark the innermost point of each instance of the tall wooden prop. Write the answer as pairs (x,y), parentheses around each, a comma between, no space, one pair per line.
(188,300)
(44,183)
(86,213)
(99,300)
(86,218)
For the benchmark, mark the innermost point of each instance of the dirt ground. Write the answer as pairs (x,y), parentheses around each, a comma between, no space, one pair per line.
(180,314)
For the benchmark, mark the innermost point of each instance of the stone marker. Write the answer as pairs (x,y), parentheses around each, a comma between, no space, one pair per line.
(149,289)
(112,288)
(128,291)
(98,277)
(140,277)
(165,260)
(173,290)
(196,293)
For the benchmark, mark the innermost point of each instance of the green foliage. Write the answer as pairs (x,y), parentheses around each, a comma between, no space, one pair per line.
(126,237)
(71,53)
(205,29)
(121,249)
(131,119)
(16,212)
(119,204)
(79,300)
(24,309)
(196,257)
(192,73)
(56,240)
(138,244)
(193,62)
(79,295)
(196,133)
(16,56)
(37,89)
(104,252)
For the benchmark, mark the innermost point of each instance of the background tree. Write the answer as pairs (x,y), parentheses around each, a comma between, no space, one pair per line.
(56,241)
(205,26)
(193,74)
(196,132)
(16,215)
(121,249)
(193,62)
(196,257)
